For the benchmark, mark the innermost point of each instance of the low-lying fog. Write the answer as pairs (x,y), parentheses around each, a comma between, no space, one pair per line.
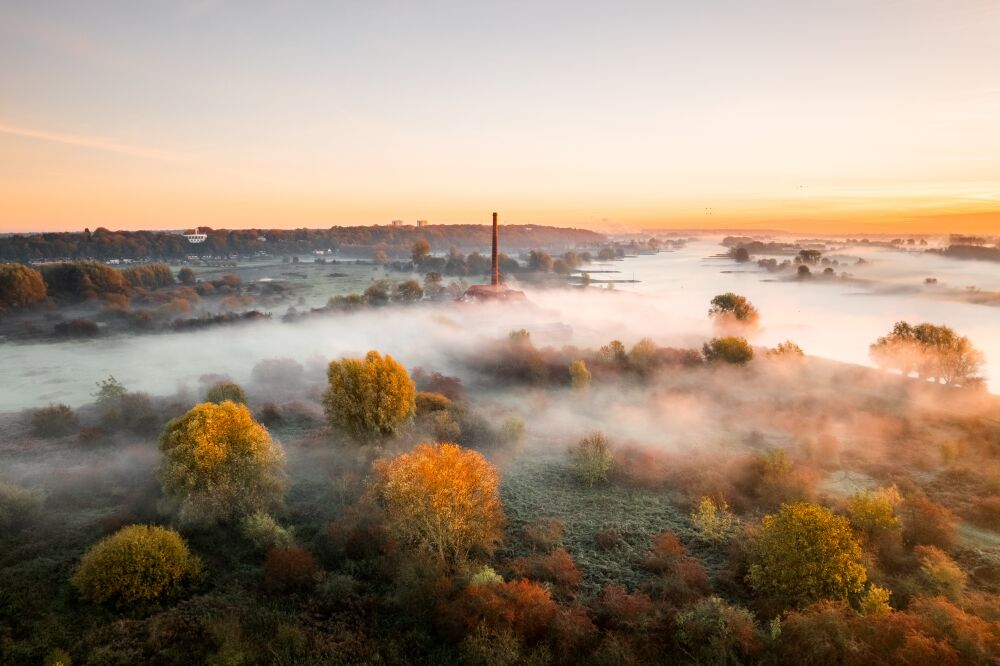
(829,318)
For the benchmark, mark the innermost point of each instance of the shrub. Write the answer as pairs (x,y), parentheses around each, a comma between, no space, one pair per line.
(544,534)
(875,601)
(608,538)
(264,532)
(409,291)
(485,576)
(616,608)
(289,569)
(592,459)
(20,286)
(427,402)
(521,607)
(370,398)
(785,350)
(714,632)
(150,276)
(222,391)
(136,563)
(442,499)
(806,553)
(186,276)
(681,577)
(491,647)
(557,568)
(77,328)
(714,521)
(218,463)
(732,350)
(939,574)
(927,523)
(54,421)
(874,513)
(18,507)
(81,280)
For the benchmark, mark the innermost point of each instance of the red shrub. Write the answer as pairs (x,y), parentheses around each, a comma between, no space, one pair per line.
(572,633)
(289,569)
(927,523)
(616,608)
(557,568)
(682,577)
(544,534)
(521,606)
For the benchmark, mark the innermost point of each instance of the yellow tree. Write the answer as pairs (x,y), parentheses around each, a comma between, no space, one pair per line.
(219,463)
(441,498)
(806,553)
(370,398)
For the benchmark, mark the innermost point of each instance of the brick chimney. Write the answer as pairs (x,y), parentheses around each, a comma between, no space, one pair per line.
(495,279)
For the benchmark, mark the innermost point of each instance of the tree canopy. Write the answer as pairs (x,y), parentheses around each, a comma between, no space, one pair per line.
(441,498)
(220,464)
(805,553)
(730,308)
(370,398)
(930,351)
(734,350)
(20,286)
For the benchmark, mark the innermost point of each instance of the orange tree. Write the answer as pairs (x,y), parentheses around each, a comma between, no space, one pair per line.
(219,463)
(805,553)
(441,498)
(20,286)
(370,398)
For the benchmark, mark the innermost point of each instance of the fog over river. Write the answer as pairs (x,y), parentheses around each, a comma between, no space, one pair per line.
(832,318)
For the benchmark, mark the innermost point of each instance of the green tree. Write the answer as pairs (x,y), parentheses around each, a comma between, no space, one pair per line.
(929,351)
(220,464)
(579,375)
(20,286)
(805,553)
(714,521)
(222,391)
(592,459)
(733,350)
(370,398)
(730,308)
(136,563)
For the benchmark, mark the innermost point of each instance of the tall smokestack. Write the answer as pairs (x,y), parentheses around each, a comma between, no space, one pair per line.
(495,280)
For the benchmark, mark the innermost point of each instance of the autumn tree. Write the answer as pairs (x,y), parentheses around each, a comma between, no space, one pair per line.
(419,252)
(409,291)
(592,459)
(732,309)
(20,286)
(929,351)
(136,563)
(186,276)
(732,350)
(442,499)
(579,375)
(219,464)
(806,553)
(370,398)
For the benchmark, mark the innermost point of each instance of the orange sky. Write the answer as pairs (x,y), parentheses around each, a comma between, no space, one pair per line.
(807,116)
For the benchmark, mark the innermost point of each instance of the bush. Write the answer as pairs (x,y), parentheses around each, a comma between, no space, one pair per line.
(939,575)
(20,286)
(289,570)
(442,499)
(875,601)
(54,421)
(222,391)
(81,280)
(804,554)
(592,459)
(681,577)
(264,532)
(77,328)
(713,632)
(556,568)
(873,513)
(521,607)
(927,523)
(732,350)
(485,576)
(150,276)
(137,563)
(714,521)
(370,398)
(18,507)
(218,463)
(544,534)
(579,375)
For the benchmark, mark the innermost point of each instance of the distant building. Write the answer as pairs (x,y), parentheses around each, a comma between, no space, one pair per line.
(421,223)
(495,290)
(397,223)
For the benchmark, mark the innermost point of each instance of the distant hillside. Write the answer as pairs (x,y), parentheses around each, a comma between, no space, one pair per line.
(349,241)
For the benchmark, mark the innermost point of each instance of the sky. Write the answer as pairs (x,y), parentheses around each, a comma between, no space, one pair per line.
(836,116)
